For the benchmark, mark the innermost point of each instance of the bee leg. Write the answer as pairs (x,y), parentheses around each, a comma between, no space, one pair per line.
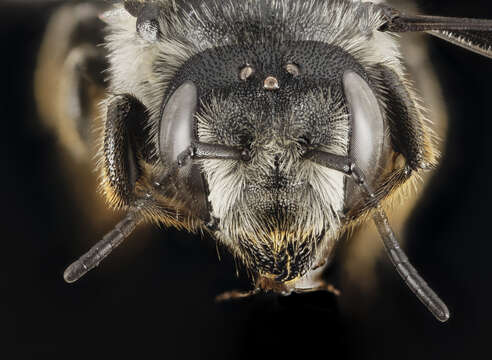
(123,147)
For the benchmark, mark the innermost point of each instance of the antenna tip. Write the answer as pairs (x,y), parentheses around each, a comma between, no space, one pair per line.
(74,272)
(444,315)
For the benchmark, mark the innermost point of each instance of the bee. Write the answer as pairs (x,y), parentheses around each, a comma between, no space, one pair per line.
(276,126)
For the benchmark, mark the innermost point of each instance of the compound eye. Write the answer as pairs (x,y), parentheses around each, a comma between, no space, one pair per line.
(176,135)
(177,122)
(246,72)
(367,124)
(292,69)
(368,140)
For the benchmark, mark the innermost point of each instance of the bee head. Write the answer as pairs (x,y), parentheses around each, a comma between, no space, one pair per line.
(275,92)
(276,124)
(276,210)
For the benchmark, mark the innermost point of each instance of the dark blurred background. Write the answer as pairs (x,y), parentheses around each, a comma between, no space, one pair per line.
(154,297)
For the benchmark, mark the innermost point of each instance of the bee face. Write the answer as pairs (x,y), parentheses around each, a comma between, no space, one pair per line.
(277,211)
(275,94)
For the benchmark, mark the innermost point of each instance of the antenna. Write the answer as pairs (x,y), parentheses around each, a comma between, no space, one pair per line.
(398,258)
(103,248)
(407,272)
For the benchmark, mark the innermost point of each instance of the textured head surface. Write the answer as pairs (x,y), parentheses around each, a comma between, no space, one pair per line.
(188,28)
(278,213)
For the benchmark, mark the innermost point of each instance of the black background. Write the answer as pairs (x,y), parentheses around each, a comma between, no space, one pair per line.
(154,298)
